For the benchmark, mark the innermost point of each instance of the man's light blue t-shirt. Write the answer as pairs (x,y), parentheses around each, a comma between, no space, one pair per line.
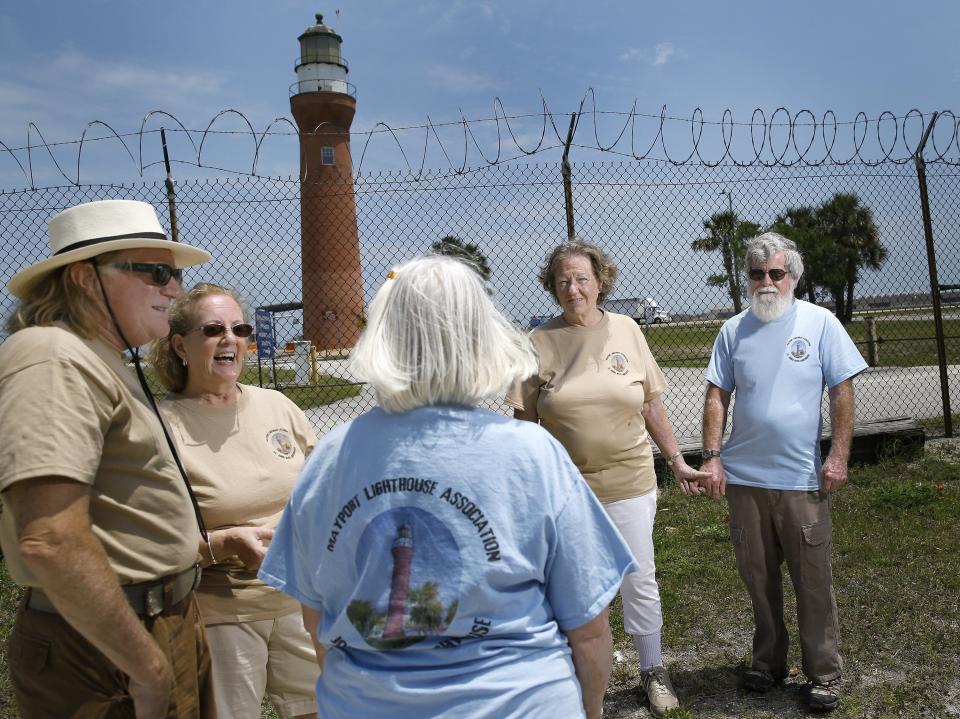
(778,370)
(446,547)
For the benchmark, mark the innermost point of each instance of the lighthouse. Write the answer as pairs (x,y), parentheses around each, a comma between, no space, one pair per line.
(402,552)
(323,104)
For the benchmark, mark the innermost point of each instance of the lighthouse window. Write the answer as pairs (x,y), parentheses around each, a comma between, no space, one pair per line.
(326,156)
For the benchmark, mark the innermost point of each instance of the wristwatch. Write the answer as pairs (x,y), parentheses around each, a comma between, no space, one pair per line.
(708,453)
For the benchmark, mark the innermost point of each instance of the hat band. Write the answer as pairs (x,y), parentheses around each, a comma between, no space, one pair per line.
(96,240)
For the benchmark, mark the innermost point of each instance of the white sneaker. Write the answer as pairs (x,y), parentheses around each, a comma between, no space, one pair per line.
(659,690)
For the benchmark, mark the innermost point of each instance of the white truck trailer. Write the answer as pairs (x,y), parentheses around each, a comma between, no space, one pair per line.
(644,310)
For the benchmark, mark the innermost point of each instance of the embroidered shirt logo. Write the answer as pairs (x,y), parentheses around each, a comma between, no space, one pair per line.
(798,349)
(617,363)
(281,442)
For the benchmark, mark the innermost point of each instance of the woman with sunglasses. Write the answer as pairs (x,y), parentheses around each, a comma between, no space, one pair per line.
(598,390)
(97,522)
(243,447)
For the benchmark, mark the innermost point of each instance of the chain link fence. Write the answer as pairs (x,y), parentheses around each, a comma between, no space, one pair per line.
(646,215)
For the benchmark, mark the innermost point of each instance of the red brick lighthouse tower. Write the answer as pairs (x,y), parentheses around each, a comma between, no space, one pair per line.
(402,551)
(323,104)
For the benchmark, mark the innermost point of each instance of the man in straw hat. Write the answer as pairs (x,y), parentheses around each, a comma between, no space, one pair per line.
(97,521)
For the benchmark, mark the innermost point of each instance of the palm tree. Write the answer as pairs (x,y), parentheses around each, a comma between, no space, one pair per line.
(468,252)
(849,227)
(727,233)
(800,224)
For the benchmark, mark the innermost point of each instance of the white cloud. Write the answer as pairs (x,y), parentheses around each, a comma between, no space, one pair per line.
(104,77)
(63,93)
(661,54)
(458,80)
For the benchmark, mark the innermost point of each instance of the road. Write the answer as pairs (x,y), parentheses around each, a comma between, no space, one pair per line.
(881,393)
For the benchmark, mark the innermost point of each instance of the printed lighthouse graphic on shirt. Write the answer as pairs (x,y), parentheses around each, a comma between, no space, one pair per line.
(409,568)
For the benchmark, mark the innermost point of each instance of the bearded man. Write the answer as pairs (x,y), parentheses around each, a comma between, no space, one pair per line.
(777,356)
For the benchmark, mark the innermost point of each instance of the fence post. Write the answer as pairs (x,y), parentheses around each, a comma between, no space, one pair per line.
(871,341)
(171,195)
(934,283)
(567,177)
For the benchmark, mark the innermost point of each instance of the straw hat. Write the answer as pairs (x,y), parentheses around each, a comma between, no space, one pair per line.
(93,228)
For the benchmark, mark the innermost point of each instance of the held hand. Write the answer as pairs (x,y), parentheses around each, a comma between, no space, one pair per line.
(249,545)
(691,481)
(716,485)
(151,699)
(833,473)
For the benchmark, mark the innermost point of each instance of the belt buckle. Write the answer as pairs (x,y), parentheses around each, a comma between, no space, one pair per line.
(153,600)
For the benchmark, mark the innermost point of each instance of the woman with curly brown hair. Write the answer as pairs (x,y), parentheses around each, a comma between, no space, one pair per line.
(598,390)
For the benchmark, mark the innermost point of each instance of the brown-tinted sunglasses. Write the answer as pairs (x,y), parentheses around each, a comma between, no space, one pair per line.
(217,329)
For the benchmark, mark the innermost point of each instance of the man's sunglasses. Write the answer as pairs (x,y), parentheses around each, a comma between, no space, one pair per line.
(217,329)
(776,274)
(160,274)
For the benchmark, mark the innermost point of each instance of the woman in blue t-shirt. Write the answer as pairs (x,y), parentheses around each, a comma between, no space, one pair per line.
(451,561)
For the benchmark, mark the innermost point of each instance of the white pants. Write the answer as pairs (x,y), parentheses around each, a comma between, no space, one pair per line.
(639,592)
(275,656)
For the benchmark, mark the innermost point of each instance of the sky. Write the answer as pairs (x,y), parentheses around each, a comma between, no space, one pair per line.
(69,68)
(64,65)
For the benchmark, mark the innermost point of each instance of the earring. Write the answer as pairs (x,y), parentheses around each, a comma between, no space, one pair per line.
(184,360)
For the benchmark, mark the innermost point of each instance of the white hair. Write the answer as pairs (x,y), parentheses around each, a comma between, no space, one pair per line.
(435,337)
(762,247)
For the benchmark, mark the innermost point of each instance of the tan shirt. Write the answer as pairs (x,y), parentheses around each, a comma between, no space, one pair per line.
(589,391)
(243,461)
(72,408)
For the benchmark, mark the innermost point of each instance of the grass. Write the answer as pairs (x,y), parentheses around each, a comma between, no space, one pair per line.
(10,595)
(935,424)
(897,586)
(328,388)
(903,342)
(895,570)
(908,343)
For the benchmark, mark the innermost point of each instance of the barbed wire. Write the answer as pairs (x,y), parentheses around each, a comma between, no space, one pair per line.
(780,139)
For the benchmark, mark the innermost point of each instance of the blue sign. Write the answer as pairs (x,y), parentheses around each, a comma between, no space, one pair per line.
(265,337)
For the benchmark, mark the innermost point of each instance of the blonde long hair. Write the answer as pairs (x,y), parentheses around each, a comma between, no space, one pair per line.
(58,298)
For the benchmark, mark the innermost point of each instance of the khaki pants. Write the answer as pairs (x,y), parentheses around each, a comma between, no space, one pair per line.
(767,527)
(272,655)
(56,673)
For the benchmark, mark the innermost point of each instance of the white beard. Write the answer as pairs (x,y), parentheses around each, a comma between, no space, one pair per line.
(769,305)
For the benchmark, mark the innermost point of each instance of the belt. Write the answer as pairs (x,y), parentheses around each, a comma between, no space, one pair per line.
(148,599)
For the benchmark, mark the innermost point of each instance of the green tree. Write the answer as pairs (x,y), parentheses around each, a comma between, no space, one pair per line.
(362,615)
(728,234)
(848,226)
(468,252)
(426,609)
(801,225)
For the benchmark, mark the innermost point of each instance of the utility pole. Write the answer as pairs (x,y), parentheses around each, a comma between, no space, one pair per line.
(171,193)
(567,177)
(935,286)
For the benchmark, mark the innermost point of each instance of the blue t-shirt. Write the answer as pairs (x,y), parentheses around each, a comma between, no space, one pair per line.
(778,370)
(446,547)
